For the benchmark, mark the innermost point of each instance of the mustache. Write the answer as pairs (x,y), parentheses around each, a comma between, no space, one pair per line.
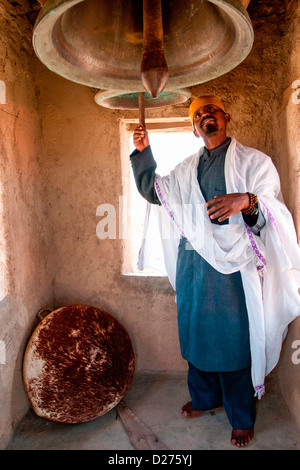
(206,117)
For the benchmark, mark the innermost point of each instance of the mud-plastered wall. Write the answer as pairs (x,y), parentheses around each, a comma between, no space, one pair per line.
(25,284)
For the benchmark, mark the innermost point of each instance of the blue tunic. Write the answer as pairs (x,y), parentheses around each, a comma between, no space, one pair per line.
(212,315)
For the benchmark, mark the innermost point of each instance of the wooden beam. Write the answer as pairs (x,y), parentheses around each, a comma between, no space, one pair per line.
(163,127)
(140,435)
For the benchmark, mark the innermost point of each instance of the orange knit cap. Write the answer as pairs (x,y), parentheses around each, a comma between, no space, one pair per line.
(202,101)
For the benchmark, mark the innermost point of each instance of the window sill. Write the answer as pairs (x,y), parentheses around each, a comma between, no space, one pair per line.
(144,274)
(156,282)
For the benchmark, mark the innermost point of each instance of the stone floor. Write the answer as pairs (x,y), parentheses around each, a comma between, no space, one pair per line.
(156,399)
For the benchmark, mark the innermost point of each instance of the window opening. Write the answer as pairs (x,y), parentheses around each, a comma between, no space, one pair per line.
(169,149)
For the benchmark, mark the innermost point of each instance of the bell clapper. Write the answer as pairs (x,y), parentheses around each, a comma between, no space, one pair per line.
(154,69)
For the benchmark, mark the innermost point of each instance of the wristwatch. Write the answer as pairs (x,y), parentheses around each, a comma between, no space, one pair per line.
(255,210)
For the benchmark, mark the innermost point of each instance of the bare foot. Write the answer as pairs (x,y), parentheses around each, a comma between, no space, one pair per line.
(188,411)
(241,437)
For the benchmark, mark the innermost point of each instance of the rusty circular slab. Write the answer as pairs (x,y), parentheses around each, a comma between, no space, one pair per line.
(100,44)
(120,100)
(78,364)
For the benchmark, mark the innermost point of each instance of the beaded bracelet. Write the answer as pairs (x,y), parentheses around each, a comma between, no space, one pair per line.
(252,204)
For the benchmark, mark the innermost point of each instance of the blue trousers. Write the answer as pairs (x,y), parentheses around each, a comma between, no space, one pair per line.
(232,390)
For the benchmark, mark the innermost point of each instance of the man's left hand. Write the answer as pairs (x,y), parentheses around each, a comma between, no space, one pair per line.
(222,207)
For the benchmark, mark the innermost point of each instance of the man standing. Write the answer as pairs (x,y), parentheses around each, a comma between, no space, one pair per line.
(222,327)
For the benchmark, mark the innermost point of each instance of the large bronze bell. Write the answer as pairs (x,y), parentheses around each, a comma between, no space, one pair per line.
(136,46)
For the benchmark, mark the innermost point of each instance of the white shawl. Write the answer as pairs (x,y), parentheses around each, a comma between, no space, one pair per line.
(269,263)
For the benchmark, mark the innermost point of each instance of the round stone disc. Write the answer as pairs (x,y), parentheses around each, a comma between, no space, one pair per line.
(78,364)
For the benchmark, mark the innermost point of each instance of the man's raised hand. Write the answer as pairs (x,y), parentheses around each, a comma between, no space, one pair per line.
(140,138)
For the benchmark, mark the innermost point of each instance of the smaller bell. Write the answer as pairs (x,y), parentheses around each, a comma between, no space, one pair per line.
(119,100)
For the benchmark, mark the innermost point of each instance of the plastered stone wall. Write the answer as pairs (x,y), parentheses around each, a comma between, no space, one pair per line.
(62,156)
(26,285)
